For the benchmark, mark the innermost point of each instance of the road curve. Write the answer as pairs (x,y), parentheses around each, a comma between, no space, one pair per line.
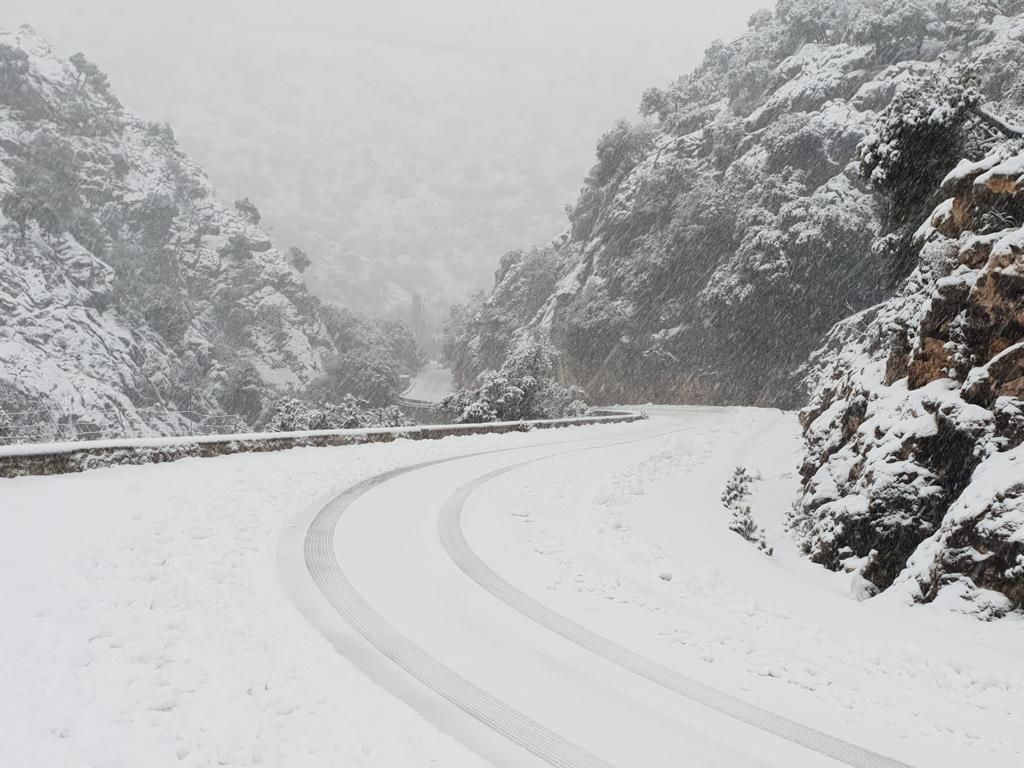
(330,575)
(330,578)
(326,572)
(453,539)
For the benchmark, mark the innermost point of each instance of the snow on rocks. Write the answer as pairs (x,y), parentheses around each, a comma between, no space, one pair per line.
(975,561)
(916,409)
(715,243)
(198,306)
(635,546)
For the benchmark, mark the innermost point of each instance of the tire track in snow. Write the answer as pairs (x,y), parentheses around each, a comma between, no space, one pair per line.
(453,539)
(492,712)
(323,566)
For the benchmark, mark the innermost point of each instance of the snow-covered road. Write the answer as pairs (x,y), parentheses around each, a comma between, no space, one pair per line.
(549,598)
(431,384)
(391,558)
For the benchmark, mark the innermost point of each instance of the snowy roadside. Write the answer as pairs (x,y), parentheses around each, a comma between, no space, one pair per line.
(647,560)
(431,384)
(145,624)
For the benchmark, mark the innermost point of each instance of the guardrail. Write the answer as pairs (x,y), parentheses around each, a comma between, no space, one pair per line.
(421,411)
(413,403)
(62,458)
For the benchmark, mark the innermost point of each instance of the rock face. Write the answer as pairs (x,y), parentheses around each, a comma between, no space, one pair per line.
(128,293)
(914,471)
(714,244)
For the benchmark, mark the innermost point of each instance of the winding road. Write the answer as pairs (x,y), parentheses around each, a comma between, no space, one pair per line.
(430,385)
(387,572)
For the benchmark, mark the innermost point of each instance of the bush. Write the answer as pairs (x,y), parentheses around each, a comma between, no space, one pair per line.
(248,210)
(917,139)
(242,394)
(294,415)
(298,258)
(737,489)
(16,88)
(237,248)
(91,75)
(368,375)
(524,388)
(46,187)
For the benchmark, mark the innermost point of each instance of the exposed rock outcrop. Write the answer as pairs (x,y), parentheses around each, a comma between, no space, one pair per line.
(716,242)
(129,294)
(914,471)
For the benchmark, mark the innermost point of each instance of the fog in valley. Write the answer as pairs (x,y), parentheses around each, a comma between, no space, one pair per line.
(486,384)
(404,145)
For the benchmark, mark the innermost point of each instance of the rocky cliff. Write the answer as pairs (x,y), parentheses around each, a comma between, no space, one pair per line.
(131,299)
(914,471)
(771,201)
(715,242)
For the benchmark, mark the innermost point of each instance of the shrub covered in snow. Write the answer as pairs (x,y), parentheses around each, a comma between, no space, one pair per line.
(294,415)
(524,388)
(734,498)
(934,120)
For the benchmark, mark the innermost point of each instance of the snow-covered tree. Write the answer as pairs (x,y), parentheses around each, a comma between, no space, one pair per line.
(15,88)
(734,497)
(299,259)
(931,123)
(292,414)
(896,27)
(248,210)
(815,21)
(524,388)
(92,76)
(918,137)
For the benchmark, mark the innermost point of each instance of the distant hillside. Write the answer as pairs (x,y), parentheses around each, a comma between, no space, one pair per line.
(402,144)
(129,294)
(715,242)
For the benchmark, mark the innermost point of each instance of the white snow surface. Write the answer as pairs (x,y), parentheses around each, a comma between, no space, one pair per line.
(146,622)
(432,384)
(71,446)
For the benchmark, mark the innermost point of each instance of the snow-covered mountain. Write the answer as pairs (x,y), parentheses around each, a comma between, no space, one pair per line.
(777,190)
(716,242)
(129,293)
(914,470)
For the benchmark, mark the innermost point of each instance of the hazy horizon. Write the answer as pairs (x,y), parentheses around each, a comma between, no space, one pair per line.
(406,147)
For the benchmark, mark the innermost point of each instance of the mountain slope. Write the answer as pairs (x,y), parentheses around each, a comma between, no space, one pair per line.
(129,292)
(914,460)
(715,243)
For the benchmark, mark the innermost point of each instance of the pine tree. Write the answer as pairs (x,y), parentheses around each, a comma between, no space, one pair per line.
(737,489)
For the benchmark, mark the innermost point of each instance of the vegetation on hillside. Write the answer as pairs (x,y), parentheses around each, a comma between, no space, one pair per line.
(760,199)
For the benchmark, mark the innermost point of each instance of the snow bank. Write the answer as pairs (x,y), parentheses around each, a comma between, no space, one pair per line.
(144,623)
(59,458)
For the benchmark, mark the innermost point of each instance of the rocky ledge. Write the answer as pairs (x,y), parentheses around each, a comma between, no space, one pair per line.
(914,465)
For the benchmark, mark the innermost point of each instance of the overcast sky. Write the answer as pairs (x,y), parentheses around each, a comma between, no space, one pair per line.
(428,135)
